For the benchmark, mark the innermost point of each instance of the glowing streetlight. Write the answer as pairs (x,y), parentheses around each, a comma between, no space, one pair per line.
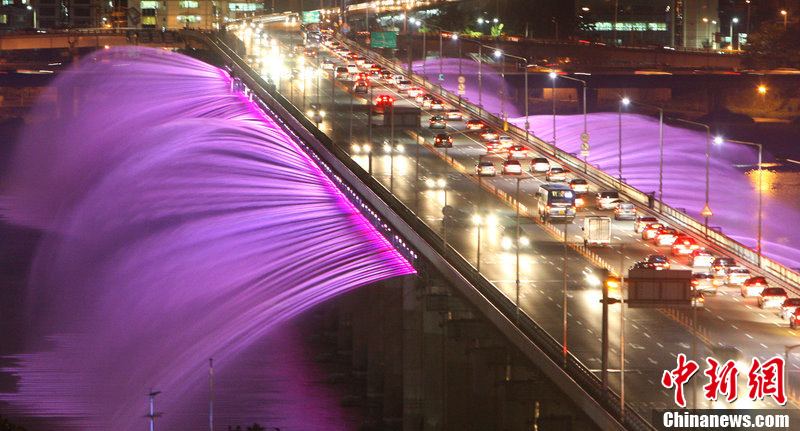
(785,17)
(762,90)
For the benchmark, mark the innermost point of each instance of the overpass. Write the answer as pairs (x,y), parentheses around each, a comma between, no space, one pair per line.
(88,38)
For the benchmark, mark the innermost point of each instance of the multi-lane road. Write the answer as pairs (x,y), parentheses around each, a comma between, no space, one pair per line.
(547,269)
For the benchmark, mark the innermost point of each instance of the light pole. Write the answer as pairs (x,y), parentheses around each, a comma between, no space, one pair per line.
(706,209)
(441,61)
(499,54)
(705,36)
(785,17)
(760,191)
(623,102)
(527,126)
(733,22)
(660,146)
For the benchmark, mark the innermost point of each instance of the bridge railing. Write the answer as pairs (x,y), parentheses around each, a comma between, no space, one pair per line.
(780,274)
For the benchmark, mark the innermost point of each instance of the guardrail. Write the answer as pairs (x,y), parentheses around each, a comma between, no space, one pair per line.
(781,274)
(574,379)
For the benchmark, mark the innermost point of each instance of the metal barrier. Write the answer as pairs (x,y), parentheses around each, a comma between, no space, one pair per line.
(777,272)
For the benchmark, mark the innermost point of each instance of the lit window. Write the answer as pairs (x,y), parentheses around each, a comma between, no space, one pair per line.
(5,2)
(246,7)
(149,4)
(188,18)
(148,20)
(188,4)
(3,19)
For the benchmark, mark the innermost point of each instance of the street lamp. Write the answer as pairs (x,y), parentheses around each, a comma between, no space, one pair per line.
(553,76)
(785,17)
(760,191)
(660,147)
(623,102)
(705,20)
(706,209)
(733,21)
(499,54)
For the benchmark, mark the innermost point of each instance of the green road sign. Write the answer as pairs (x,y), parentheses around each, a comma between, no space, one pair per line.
(311,17)
(383,39)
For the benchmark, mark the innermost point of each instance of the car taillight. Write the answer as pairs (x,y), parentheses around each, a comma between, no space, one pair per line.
(701,299)
(547,207)
(695,282)
(797,317)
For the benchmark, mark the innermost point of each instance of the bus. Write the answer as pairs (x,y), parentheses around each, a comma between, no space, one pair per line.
(556,201)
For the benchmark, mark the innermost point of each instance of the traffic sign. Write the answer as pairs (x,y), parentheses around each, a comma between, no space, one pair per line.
(461,79)
(584,137)
(584,153)
(584,146)
(383,39)
(706,211)
(441,77)
(461,89)
(310,17)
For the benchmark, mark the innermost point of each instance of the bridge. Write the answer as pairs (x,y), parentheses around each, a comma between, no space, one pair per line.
(411,191)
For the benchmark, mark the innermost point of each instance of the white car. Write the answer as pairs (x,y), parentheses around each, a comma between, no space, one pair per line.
(328,65)
(736,276)
(403,85)
(506,140)
(607,199)
(512,167)
(453,114)
(485,168)
(416,92)
(556,174)
(517,152)
(540,164)
(352,68)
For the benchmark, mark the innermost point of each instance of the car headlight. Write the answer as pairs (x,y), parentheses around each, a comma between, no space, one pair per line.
(430,183)
(310,113)
(387,148)
(400,148)
(356,148)
(524,241)
(476,219)
(506,242)
(491,220)
(441,182)
(367,148)
(321,113)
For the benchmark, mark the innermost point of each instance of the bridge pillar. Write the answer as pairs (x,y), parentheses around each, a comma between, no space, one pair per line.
(413,356)
(376,344)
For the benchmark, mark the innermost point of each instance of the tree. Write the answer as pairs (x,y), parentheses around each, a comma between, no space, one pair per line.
(773,46)
(497,29)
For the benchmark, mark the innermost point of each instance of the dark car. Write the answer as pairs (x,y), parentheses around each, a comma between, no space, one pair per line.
(658,260)
(443,140)
(721,265)
(788,307)
(437,122)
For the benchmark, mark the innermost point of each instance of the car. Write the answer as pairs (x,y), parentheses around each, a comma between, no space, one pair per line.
(753,286)
(415,92)
(341,72)
(386,75)
(651,230)
(642,264)
(605,199)
(351,55)
(485,168)
(517,152)
(794,320)
(310,53)
(437,105)
(701,258)
(492,146)
(641,222)
(363,76)
(506,140)
(403,85)
(540,164)
(737,275)
(435,183)
(555,174)
(352,69)
(489,135)
(684,245)
(512,167)
(443,140)
(328,65)
(721,265)
(375,71)
(360,61)
(771,297)
(315,113)
(475,125)
(395,79)
(437,122)
(704,282)
(367,65)
(625,211)
(788,307)
(698,299)
(382,102)
(665,236)
(659,261)
(360,87)
(454,114)
(578,185)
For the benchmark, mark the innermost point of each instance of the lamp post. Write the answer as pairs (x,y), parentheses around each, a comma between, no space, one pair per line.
(527,126)
(660,146)
(785,17)
(706,209)
(441,61)
(733,22)
(705,36)
(760,191)
(499,54)
(623,102)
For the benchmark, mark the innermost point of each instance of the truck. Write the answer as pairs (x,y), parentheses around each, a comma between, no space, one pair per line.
(596,230)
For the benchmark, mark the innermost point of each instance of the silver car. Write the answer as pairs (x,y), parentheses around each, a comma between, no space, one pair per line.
(704,282)
(737,275)
(625,211)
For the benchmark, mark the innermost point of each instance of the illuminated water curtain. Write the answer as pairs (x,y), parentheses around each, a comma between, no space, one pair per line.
(181,223)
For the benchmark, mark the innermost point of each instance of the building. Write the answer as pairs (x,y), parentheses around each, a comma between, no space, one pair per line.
(678,23)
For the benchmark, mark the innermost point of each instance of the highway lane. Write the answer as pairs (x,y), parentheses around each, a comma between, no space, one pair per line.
(652,339)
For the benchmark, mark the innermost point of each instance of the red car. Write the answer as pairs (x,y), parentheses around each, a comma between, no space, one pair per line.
(382,102)
(666,236)
(684,245)
(475,125)
(493,146)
